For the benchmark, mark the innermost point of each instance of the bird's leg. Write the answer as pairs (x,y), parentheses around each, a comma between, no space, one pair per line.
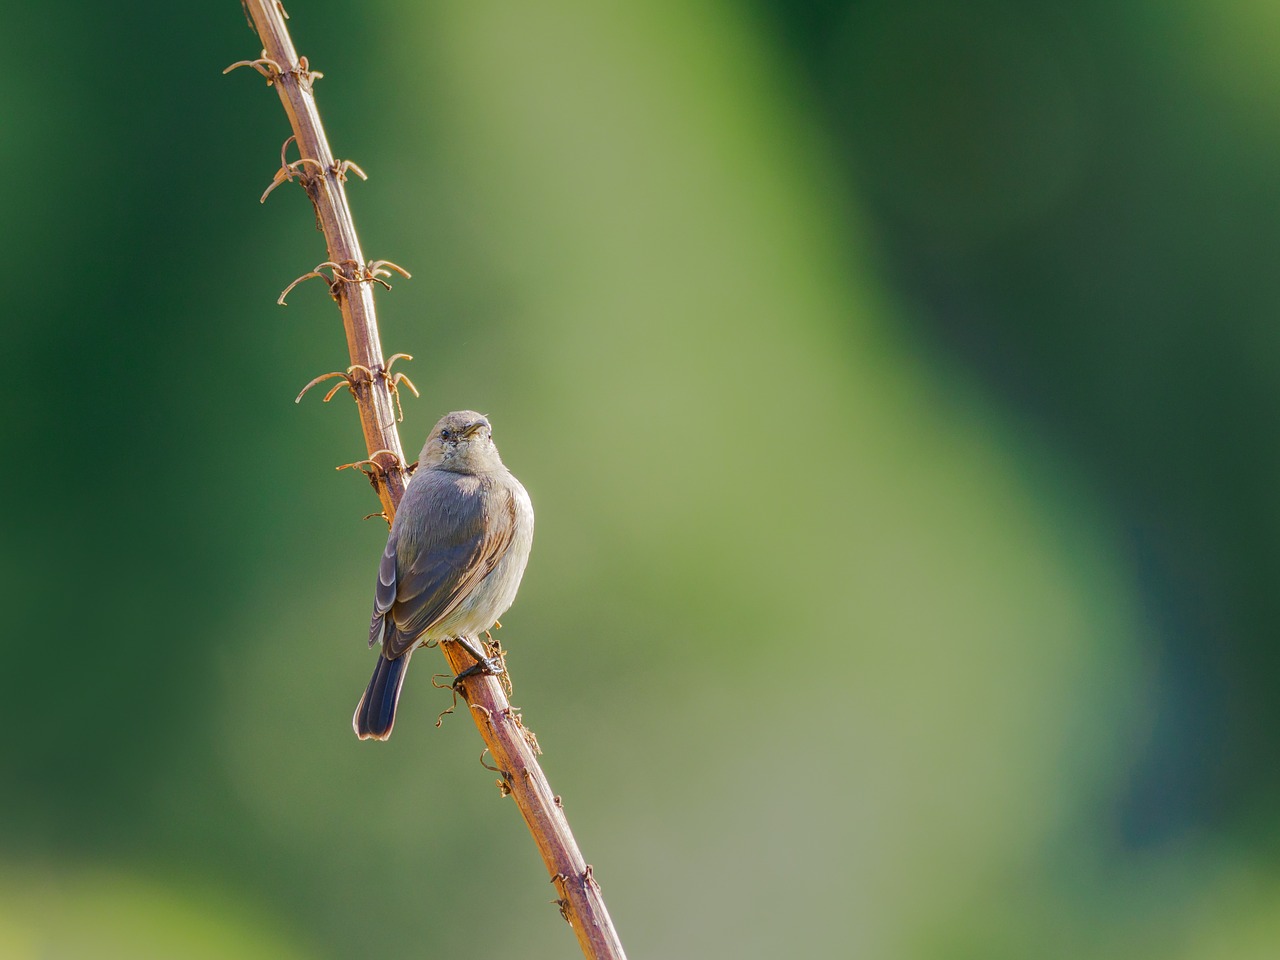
(491,666)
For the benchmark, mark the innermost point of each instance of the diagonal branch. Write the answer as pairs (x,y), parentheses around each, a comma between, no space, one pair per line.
(512,746)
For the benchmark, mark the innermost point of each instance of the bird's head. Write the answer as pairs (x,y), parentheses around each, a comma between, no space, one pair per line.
(461,441)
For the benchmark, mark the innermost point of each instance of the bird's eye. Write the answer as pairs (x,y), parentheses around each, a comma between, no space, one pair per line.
(446,435)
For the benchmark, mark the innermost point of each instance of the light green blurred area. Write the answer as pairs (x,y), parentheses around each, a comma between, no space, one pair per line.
(830,652)
(54,913)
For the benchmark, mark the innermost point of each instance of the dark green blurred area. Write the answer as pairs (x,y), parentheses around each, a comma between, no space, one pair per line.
(895,384)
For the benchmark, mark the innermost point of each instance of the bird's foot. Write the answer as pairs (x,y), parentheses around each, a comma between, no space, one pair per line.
(490,666)
(485,665)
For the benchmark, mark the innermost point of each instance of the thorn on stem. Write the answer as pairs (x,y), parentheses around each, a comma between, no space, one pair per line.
(394,357)
(393,383)
(395,393)
(335,268)
(559,880)
(371,467)
(371,272)
(340,168)
(375,472)
(350,379)
(321,379)
(380,267)
(336,387)
(264,65)
(306,76)
(288,172)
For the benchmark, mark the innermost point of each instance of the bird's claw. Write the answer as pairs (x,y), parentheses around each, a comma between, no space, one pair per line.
(486,666)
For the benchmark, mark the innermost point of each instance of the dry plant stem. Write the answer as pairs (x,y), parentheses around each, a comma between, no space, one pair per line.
(323,183)
(513,749)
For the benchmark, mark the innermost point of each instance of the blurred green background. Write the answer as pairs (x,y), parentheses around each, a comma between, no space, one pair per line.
(896,384)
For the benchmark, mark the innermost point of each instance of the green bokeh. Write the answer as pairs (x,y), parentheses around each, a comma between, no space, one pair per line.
(895,386)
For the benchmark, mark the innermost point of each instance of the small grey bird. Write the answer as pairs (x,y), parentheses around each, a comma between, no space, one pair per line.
(453,562)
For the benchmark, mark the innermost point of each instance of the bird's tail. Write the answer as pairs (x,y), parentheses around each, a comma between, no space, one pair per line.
(376,712)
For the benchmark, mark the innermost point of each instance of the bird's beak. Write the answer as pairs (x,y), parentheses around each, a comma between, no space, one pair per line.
(473,427)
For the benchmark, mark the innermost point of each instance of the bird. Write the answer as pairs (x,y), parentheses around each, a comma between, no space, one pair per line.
(453,562)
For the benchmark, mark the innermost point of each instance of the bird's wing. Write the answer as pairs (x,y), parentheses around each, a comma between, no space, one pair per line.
(465,535)
(384,594)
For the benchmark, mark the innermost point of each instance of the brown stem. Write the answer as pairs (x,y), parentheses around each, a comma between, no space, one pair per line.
(513,748)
